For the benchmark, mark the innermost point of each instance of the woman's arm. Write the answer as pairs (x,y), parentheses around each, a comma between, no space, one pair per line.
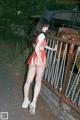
(49,48)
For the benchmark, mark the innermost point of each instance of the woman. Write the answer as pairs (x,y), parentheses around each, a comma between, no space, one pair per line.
(37,63)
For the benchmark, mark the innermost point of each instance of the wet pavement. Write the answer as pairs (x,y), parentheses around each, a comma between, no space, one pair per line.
(11,96)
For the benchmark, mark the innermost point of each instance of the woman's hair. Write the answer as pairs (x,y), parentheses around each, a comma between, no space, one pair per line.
(44,23)
(41,24)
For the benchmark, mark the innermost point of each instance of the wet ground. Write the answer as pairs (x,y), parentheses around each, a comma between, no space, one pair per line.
(11,96)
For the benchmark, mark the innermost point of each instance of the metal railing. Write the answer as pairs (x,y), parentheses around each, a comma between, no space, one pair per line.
(60,75)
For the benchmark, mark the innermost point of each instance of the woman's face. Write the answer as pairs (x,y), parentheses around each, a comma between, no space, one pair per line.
(45,29)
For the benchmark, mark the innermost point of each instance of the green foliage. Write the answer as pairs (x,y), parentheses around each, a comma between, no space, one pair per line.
(30,7)
(18,13)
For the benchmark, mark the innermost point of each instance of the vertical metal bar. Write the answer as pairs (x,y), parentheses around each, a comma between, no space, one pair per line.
(79,100)
(72,87)
(63,66)
(57,66)
(76,96)
(71,72)
(75,85)
(68,66)
(50,64)
(53,66)
(48,54)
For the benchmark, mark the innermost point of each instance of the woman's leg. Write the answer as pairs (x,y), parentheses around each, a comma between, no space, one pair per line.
(39,75)
(30,77)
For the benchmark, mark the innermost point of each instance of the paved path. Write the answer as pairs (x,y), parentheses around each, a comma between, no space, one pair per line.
(11,82)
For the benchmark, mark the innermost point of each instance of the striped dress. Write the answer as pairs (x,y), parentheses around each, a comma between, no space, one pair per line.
(33,59)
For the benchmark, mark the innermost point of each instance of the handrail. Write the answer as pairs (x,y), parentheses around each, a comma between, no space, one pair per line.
(63,61)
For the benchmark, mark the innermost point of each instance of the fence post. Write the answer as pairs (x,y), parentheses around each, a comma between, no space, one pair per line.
(68,66)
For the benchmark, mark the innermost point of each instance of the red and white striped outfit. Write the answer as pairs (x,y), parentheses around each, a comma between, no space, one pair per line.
(34,58)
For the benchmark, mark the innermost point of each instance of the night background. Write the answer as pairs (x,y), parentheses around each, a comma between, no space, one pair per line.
(17,14)
(18,20)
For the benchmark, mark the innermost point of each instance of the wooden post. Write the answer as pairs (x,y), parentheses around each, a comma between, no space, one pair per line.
(68,66)
(67,71)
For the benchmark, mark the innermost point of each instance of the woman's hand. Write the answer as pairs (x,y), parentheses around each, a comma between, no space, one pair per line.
(54,49)
(49,48)
(33,45)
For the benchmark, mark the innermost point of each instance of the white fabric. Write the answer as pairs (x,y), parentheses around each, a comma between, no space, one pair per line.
(26,103)
(41,37)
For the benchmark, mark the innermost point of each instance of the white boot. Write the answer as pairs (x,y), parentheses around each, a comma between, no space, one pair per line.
(32,107)
(25,103)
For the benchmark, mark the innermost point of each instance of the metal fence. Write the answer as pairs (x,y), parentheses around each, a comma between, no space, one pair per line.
(62,74)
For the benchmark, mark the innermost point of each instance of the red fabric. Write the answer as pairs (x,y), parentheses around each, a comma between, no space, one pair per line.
(33,58)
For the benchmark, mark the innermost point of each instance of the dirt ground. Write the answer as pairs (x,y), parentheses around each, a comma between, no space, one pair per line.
(11,95)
